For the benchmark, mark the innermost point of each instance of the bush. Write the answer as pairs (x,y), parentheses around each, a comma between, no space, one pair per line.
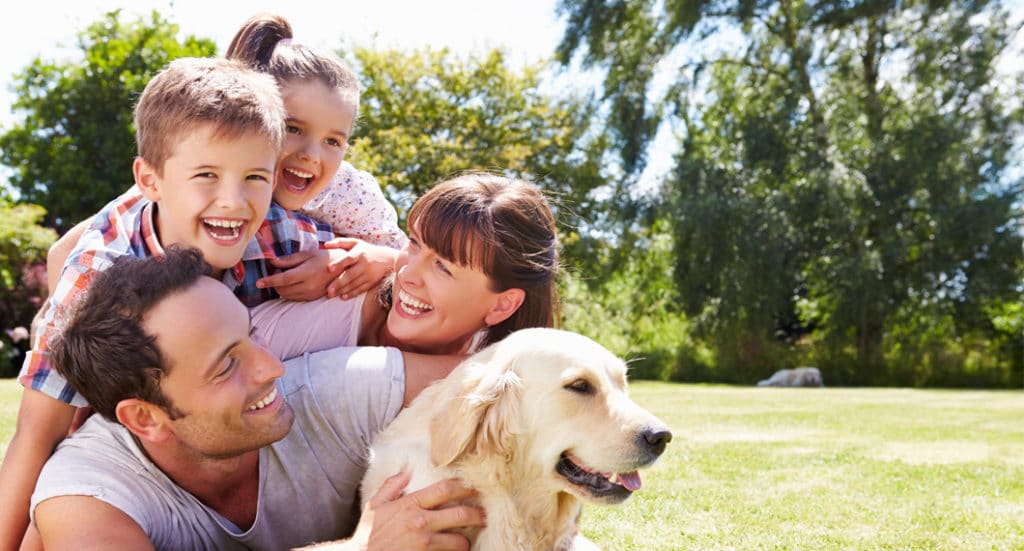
(23,246)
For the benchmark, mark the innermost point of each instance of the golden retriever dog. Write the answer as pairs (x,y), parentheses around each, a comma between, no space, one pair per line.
(538,423)
(801,376)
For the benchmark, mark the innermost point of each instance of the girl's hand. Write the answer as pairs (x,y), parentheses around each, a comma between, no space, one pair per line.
(359,266)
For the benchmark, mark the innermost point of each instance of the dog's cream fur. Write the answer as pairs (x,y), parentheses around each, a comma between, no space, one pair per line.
(506,417)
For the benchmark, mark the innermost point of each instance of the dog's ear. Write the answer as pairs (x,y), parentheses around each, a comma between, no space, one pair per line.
(480,419)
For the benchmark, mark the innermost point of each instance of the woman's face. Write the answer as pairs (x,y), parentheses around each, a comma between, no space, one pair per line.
(438,305)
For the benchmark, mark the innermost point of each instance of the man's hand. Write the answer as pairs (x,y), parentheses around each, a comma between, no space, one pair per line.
(306,277)
(416,520)
(359,266)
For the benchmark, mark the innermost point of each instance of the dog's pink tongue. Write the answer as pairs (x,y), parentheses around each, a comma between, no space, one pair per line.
(631,481)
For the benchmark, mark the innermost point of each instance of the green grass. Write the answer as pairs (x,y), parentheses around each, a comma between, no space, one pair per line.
(816,469)
(834,468)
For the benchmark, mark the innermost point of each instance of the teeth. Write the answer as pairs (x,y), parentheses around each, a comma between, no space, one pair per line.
(412,303)
(223,223)
(300,173)
(267,400)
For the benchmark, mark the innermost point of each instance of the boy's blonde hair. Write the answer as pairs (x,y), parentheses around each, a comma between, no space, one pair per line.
(190,92)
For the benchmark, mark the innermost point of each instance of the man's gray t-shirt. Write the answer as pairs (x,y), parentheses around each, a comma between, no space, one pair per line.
(308,480)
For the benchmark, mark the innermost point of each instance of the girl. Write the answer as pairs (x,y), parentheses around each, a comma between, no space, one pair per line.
(321,96)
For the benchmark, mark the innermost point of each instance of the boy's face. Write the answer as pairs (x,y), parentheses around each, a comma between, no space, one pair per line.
(316,137)
(213,194)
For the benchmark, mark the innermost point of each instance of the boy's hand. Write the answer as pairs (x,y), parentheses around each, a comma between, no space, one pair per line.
(361,266)
(306,277)
(419,520)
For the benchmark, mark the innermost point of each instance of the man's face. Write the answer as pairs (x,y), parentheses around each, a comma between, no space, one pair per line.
(221,380)
(213,193)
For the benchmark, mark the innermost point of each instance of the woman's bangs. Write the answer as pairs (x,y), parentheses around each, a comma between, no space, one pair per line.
(456,234)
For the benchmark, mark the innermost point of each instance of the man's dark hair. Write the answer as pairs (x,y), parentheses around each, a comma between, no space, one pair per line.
(103,350)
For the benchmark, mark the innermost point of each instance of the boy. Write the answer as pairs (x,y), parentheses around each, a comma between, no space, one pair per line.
(209,134)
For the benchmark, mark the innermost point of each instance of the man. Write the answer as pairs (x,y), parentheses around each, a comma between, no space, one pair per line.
(206,441)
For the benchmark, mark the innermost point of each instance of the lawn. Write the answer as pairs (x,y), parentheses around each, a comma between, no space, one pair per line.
(815,469)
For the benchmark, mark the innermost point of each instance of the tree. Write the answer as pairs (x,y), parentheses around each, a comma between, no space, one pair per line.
(843,177)
(426,115)
(73,150)
(23,245)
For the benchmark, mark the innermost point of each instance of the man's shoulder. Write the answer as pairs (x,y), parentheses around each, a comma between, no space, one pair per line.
(358,388)
(101,441)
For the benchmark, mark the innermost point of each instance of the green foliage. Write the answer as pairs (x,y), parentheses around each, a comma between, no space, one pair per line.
(428,114)
(635,313)
(844,192)
(72,151)
(23,246)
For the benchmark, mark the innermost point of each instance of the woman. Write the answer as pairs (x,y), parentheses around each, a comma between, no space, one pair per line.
(481,262)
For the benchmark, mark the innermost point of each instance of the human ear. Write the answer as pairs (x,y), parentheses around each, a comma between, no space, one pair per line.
(146,178)
(507,303)
(143,419)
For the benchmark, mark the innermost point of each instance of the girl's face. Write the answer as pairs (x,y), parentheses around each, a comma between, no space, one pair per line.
(438,306)
(317,130)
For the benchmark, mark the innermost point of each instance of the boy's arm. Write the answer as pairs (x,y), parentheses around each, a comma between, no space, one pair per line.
(59,252)
(47,402)
(291,241)
(42,423)
(82,522)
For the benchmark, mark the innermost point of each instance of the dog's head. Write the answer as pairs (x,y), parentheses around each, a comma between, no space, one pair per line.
(552,405)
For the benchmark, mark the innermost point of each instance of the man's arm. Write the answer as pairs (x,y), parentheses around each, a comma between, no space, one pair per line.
(82,522)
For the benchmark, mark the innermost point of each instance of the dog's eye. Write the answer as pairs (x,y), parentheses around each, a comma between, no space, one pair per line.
(581,386)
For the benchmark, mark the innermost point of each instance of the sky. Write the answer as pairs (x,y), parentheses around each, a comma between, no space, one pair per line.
(527,29)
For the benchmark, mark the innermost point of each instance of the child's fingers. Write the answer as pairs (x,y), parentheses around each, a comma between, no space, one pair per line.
(355,286)
(279,280)
(339,265)
(292,260)
(347,285)
(341,243)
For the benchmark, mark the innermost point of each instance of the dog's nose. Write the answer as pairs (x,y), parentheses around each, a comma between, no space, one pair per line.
(656,439)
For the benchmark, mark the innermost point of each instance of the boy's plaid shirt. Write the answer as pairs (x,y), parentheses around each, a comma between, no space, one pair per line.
(125,227)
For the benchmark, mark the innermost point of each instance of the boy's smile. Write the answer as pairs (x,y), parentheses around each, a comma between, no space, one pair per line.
(213,193)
